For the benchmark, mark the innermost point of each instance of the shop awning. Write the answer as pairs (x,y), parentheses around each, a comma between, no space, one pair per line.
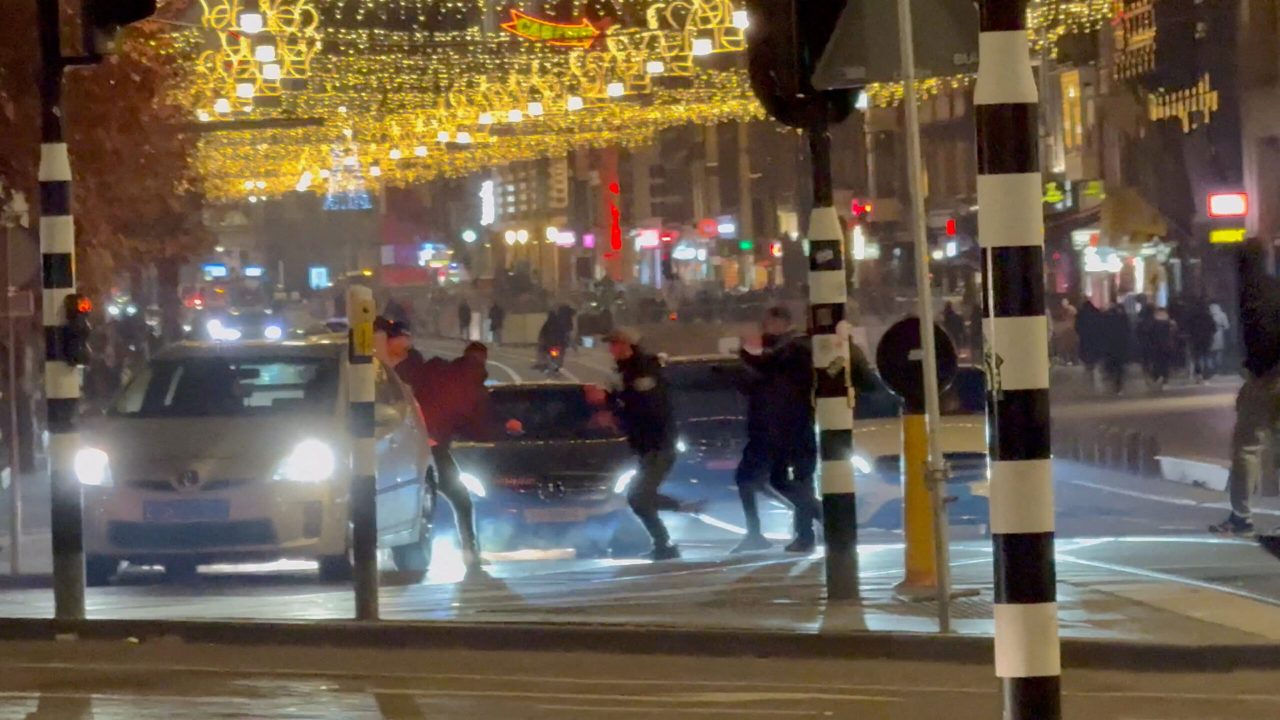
(1129,221)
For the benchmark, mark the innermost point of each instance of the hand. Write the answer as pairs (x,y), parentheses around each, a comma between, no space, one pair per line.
(753,344)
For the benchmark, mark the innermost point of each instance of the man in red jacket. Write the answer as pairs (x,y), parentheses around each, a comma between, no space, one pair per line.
(445,392)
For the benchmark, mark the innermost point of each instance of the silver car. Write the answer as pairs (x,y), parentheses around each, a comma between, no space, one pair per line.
(235,453)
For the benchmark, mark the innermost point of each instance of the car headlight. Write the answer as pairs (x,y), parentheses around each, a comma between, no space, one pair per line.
(221,332)
(472,484)
(273,332)
(861,465)
(681,445)
(93,467)
(311,461)
(624,480)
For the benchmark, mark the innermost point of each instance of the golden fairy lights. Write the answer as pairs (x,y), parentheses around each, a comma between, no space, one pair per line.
(427,93)
(253,51)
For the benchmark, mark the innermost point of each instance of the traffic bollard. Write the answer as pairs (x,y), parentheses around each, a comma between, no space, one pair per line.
(921,576)
(360,424)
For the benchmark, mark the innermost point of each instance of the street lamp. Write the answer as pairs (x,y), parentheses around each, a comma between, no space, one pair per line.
(522,236)
(510,237)
(468,236)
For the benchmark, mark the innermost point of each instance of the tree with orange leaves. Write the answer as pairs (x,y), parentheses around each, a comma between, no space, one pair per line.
(137,198)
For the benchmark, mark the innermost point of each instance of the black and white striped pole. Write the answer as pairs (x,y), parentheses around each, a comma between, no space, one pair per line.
(61,374)
(364,463)
(833,397)
(1011,233)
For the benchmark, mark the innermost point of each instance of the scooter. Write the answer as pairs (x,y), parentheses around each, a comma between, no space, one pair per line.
(554,360)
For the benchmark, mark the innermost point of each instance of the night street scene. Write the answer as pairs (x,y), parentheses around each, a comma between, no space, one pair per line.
(476,360)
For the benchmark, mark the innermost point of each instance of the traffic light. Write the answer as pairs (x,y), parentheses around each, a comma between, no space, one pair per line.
(785,40)
(75,332)
(106,17)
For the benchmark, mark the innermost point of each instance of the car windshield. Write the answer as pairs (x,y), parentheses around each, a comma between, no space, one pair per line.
(705,389)
(230,387)
(544,414)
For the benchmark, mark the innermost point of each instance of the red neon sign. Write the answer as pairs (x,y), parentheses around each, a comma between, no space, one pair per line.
(615,224)
(1228,205)
(580,34)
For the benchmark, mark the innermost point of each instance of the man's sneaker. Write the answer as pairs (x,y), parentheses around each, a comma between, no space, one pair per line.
(752,543)
(803,546)
(666,552)
(1233,525)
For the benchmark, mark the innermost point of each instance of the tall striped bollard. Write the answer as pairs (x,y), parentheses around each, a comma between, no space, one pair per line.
(1011,233)
(61,374)
(828,291)
(364,461)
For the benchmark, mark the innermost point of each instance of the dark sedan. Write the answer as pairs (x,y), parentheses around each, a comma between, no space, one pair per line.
(550,471)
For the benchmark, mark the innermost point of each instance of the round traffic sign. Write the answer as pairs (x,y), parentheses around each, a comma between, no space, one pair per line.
(900,361)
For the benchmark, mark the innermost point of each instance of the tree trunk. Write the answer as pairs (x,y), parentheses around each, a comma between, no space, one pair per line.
(168,277)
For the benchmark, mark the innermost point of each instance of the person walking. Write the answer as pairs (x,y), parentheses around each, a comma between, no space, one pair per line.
(953,324)
(643,407)
(1200,329)
(497,317)
(976,349)
(1114,333)
(781,445)
(464,320)
(1088,322)
(436,383)
(1253,440)
(1163,339)
(1221,324)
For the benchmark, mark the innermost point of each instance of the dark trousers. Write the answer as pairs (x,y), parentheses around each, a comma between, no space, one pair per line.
(449,482)
(644,498)
(789,470)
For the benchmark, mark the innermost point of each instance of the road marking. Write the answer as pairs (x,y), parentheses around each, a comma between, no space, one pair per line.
(1179,579)
(1184,502)
(515,376)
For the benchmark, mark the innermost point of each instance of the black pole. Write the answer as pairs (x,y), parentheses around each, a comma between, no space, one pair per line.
(828,291)
(1011,233)
(62,376)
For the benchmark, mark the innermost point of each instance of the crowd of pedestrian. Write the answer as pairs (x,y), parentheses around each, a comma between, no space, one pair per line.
(1190,334)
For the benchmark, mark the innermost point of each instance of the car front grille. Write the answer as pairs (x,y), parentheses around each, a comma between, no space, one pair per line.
(206,486)
(559,487)
(191,536)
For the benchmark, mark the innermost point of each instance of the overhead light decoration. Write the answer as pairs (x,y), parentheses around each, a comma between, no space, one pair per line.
(463,137)
(514,116)
(702,47)
(420,151)
(574,103)
(265,44)
(616,89)
(535,109)
(486,118)
(655,67)
(442,136)
(395,154)
(740,20)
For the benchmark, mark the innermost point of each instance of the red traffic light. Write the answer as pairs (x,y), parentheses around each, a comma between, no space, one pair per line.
(84,305)
(951,227)
(1235,204)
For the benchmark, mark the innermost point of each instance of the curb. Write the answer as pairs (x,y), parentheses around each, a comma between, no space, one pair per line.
(630,640)
(1197,473)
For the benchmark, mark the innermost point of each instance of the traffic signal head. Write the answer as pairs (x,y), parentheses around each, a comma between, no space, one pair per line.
(785,40)
(106,17)
(74,348)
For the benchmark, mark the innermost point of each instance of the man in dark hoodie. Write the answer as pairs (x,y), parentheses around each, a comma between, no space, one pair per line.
(1258,404)
(440,388)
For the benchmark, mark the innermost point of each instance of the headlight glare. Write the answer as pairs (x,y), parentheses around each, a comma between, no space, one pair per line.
(861,465)
(311,461)
(273,332)
(92,467)
(472,484)
(624,481)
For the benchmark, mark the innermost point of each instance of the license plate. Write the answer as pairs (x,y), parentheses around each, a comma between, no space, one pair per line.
(185,510)
(555,515)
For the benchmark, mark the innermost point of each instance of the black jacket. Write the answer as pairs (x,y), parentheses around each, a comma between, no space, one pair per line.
(1259,312)
(643,404)
(779,388)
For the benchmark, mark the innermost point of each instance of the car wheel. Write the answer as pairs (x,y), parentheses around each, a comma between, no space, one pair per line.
(336,568)
(415,557)
(99,570)
(183,570)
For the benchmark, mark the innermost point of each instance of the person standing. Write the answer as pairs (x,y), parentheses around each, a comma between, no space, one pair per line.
(1163,337)
(497,317)
(781,445)
(976,349)
(464,320)
(1088,321)
(1253,441)
(429,379)
(644,410)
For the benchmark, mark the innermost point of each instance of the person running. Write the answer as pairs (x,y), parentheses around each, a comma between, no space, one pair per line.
(444,414)
(780,439)
(643,407)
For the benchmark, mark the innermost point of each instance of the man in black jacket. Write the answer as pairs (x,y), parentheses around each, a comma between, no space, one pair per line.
(643,408)
(780,438)
(1258,404)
